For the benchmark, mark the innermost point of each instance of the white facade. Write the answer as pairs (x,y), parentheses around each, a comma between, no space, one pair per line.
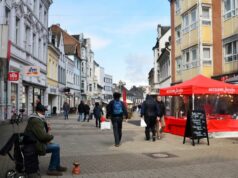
(162,69)
(27,21)
(107,89)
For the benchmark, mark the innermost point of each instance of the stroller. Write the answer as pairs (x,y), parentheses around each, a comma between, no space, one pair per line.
(24,155)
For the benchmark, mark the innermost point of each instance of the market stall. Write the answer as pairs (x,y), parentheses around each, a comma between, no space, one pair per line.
(192,92)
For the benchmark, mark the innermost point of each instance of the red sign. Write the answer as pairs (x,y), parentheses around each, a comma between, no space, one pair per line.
(13,76)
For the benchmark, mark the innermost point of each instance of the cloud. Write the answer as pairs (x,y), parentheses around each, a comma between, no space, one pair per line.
(137,69)
(97,42)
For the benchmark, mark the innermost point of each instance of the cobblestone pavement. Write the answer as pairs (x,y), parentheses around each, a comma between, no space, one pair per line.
(98,158)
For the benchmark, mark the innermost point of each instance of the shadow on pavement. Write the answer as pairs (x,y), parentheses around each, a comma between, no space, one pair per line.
(134,122)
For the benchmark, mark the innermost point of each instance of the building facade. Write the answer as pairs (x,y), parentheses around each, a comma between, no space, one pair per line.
(27,22)
(204,38)
(107,89)
(162,67)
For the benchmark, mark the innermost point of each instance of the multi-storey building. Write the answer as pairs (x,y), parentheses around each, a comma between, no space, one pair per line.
(27,22)
(52,79)
(204,38)
(162,67)
(56,39)
(107,89)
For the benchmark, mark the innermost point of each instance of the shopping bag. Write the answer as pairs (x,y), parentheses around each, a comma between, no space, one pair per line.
(142,123)
(105,125)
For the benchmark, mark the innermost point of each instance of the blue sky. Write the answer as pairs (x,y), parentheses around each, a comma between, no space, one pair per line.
(122,32)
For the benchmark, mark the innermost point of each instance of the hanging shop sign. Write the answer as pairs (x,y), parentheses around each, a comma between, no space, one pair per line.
(32,71)
(13,76)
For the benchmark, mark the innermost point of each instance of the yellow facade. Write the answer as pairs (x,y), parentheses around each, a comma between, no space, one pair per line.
(52,68)
(178,20)
(207,71)
(187,74)
(207,1)
(189,39)
(230,67)
(230,27)
(187,4)
(207,34)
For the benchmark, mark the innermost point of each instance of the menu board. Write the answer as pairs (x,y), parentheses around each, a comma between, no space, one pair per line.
(196,126)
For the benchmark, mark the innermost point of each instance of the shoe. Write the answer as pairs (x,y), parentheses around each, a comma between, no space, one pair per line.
(62,169)
(54,173)
(117,145)
(153,139)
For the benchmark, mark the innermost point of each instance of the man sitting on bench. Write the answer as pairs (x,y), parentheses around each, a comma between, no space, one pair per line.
(37,126)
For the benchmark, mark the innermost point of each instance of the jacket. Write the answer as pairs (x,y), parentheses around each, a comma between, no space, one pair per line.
(37,127)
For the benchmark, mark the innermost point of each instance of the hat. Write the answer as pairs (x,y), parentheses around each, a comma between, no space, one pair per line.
(40,107)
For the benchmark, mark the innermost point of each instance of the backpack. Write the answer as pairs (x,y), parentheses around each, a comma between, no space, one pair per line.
(117,108)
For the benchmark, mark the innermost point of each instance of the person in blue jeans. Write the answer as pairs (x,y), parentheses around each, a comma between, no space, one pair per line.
(115,111)
(38,128)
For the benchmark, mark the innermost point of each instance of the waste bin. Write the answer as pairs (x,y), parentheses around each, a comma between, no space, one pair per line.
(54,110)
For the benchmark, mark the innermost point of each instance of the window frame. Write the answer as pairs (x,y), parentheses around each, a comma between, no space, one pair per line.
(207,61)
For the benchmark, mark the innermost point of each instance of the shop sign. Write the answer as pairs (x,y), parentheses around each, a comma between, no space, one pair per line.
(13,76)
(32,71)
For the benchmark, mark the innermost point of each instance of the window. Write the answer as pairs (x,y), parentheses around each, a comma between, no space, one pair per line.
(185,23)
(7,11)
(231,53)
(230,8)
(178,34)
(34,44)
(190,20)
(90,87)
(193,18)
(177,6)
(190,58)
(206,17)
(17,30)
(178,64)
(207,56)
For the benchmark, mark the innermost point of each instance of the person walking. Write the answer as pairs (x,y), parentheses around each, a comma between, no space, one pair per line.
(86,112)
(37,127)
(115,111)
(97,112)
(150,112)
(81,111)
(66,109)
(160,123)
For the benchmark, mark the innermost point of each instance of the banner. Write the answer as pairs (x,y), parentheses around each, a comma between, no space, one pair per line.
(124,96)
(32,71)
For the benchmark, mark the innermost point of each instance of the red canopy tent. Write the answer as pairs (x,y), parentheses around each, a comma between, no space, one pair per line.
(197,86)
(200,85)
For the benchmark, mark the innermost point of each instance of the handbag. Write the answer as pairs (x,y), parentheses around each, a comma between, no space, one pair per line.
(105,125)
(142,123)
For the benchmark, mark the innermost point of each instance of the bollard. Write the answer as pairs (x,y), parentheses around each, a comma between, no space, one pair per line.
(76,168)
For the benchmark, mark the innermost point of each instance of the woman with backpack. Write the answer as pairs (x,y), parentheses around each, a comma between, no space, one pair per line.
(115,111)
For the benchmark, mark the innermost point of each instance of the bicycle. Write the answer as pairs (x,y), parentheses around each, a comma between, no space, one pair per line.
(17,118)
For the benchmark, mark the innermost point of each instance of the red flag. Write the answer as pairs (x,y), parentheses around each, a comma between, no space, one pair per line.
(124,96)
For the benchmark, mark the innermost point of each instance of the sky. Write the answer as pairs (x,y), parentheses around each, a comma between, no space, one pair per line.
(122,32)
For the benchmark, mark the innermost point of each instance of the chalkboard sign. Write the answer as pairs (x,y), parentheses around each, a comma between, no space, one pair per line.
(196,126)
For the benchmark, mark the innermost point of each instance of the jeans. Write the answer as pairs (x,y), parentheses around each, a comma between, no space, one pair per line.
(66,115)
(98,122)
(117,127)
(81,117)
(54,149)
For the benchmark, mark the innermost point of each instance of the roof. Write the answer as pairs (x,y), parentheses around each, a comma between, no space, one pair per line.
(71,45)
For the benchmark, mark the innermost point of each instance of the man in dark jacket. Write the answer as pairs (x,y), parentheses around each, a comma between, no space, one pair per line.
(81,111)
(97,112)
(150,111)
(38,128)
(115,110)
